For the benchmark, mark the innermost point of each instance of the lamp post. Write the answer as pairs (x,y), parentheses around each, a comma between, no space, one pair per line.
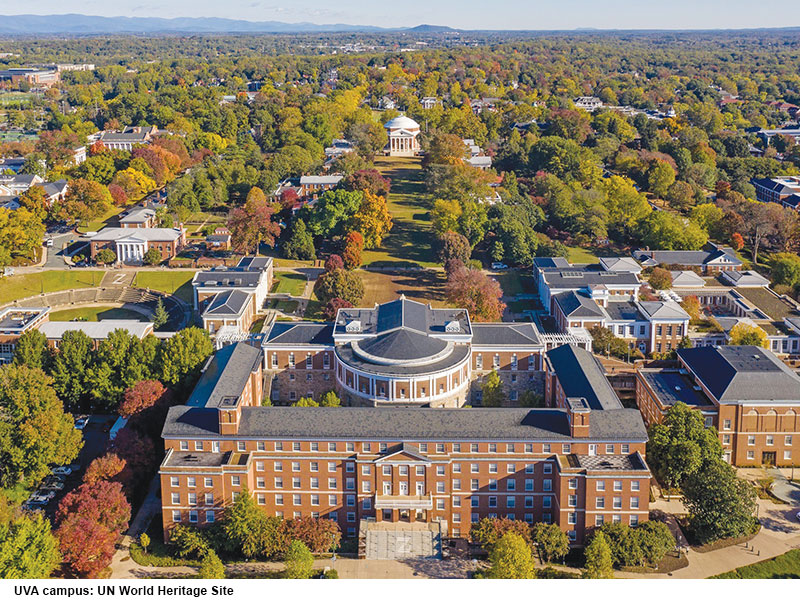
(333,546)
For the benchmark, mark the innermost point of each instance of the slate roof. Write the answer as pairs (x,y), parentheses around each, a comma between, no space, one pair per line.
(138,215)
(671,386)
(505,334)
(581,376)
(348,355)
(154,234)
(577,277)
(407,424)
(225,375)
(689,279)
(551,262)
(403,344)
(226,277)
(299,332)
(320,179)
(402,313)
(745,278)
(54,188)
(623,264)
(96,330)
(693,258)
(574,304)
(230,303)
(663,310)
(623,311)
(739,374)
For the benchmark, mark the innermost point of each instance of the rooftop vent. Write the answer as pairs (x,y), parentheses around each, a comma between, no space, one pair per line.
(191,458)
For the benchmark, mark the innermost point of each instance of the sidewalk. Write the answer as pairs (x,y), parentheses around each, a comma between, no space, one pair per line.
(122,564)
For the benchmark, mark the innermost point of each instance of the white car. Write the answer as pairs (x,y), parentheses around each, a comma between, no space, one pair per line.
(498,266)
(49,243)
(53,485)
(42,498)
(61,471)
(81,422)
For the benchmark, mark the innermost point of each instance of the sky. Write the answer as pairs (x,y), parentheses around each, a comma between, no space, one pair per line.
(463,14)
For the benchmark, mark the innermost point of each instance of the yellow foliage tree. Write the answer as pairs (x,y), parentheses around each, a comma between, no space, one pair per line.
(372,219)
(743,334)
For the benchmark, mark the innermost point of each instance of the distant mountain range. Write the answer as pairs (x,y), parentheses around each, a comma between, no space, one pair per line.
(84,24)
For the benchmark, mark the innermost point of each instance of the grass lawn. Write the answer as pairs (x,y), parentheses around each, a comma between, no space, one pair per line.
(785,566)
(178,283)
(422,286)
(33,284)
(581,255)
(409,241)
(100,222)
(15,97)
(96,313)
(293,284)
(515,283)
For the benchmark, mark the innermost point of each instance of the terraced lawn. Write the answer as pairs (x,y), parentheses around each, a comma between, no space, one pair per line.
(178,283)
(409,241)
(31,284)
(423,286)
(290,283)
(96,313)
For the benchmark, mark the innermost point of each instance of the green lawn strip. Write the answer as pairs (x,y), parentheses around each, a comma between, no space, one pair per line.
(290,283)
(411,235)
(785,566)
(178,283)
(96,313)
(16,287)
(581,255)
(100,222)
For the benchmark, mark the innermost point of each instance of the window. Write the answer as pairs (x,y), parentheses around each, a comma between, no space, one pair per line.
(331,446)
(314,467)
(493,468)
(296,483)
(296,467)
(635,502)
(261,446)
(366,487)
(492,485)
(291,360)
(279,483)
(456,501)
(634,520)
(600,486)
(598,520)
(726,425)
(260,499)
(479,361)
(350,500)
(241,446)
(176,498)
(572,519)
(382,447)
(209,516)
(403,469)
(208,482)
(566,448)
(617,503)
(440,504)
(295,446)
(572,500)
(546,448)
(297,499)
(332,500)
(473,484)
(260,483)
(600,502)
(572,484)
(625,449)
(473,467)
(609,448)
(750,455)
(547,501)
(751,440)
(496,361)
(547,485)
(726,438)
(456,447)
(198,446)
(770,440)
(617,486)
(331,467)
(511,468)
(493,448)
(439,470)
(315,483)
(529,448)
(511,501)
(529,468)
(456,467)
(635,486)
(529,485)
(787,441)
(235,480)
(184,445)
(209,499)
(350,447)
(367,503)
(174,482)
(350,483)
(511,485)
(279,446)
(475,502)
(235,496)
(176,516)
(787,455)
(473,447)
(548,468)
(349,467)
(492,501)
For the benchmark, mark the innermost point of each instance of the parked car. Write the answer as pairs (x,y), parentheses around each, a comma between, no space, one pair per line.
(498,266)
(81,422)
(64,471)
(56,486)
(42,497)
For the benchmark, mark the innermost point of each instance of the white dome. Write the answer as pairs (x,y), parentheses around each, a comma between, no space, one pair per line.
(402,122)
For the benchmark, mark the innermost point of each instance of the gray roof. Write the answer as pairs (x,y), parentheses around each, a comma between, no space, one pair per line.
(581,376)
(152,234)
(551,262)
(658,309)
(254,263)
(605,462)
(623,311)
(458,354)
(745,278)
(138,215)
(581,276)
(620,264)
(688,279)
(407,424)
(54,188)
(299,332)
(671,386)
(230,303)
(225,277)
(402,313)
(55,330)
(505,334)
(574,304)
(403,344)
(225,375)
(697,258)
(740,374)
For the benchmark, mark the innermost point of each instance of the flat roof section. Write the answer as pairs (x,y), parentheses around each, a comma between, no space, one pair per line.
(672,387)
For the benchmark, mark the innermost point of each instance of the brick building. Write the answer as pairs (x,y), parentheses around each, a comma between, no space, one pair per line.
(130,244)
(400,353)
(575,466)
(746,392)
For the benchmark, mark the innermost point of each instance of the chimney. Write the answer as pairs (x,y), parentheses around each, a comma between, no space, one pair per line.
(230,413)
(578,414)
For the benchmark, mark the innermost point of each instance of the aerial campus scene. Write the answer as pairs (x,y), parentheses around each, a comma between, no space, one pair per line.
(313,291)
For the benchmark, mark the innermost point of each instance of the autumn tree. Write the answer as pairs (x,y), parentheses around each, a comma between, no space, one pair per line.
(142,397)
(299,562)
(475,292)
(660,279)
(511,558)
(372,220)
(367,180)
(86,545)
(492,393)
(351,254)
(28,548)
(452,246)
(85,200)
(444,149)
(103,502)
(691,304)
(550,540)
(339,283)
(108,467)
(252,224)
(743,334)
(330,399)
(34,432)
(319,535)
(487,532)
(332,307)
(211,567)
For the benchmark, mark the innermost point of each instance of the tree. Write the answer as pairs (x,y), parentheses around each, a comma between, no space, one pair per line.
(144,541)
(106,256)
(680,444)
(367,180)
(785,270)
(34,431)
(492,390)
(183,355)
(333,212)
(142,397)
(299,562)
(550,540)
(152,257)
(487,532)
(330,398)
(680,195)
(598,558)
(351,254)
(743,334)
(339,283)
(511,558)
(85,200)
(252,224)
(737,241)
(372,219)
(188,541)
(660,279)
(655,540)
(660,178)
(86,545)
(444,149)
(306,401)
(211,567)
(300,245)
(624,544)
(453,245)
(332,308)
(475,292)
(69,367)
(103,502)
(134,183)
(320,535)
(249,531)
(667,231)
(108,467)
(139,454)
(691,304)
(160,315)
(333,262)
(720,504)
(31,350)
(28,548)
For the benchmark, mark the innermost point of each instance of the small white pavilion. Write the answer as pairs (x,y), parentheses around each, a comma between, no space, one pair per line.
(403,136)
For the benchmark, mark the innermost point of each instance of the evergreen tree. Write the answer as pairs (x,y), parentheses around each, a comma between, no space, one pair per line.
(28,548)
(300,245)
(160,316)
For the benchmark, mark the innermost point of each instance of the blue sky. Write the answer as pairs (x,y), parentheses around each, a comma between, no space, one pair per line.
(467,14)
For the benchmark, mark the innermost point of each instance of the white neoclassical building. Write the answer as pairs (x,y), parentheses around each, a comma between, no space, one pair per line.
(403,137)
